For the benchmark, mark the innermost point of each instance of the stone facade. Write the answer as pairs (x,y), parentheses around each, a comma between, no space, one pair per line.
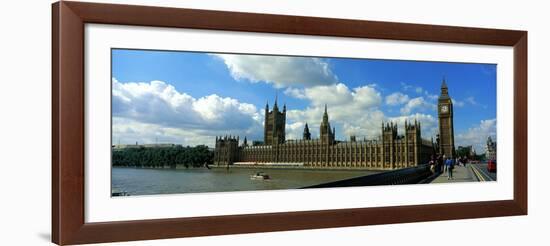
(389,151)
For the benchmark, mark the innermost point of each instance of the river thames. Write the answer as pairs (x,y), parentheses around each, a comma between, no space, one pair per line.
(143,181)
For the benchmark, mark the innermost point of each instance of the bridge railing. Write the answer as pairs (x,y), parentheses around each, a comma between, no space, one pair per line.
(410,175)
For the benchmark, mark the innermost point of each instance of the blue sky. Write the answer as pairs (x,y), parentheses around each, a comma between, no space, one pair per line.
(190,97)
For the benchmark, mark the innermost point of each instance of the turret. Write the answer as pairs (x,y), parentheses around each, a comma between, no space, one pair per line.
(274,125)
(307,134)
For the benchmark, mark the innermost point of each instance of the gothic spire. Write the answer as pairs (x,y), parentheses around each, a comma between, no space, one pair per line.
(444,89)
(325,115)
(275,107)
(307,134)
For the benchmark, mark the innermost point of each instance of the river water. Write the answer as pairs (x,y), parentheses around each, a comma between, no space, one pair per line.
(141,181)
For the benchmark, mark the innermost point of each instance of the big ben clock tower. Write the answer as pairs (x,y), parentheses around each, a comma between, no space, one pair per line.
(446,128)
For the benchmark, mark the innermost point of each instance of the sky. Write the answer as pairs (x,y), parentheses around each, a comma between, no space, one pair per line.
(189,98)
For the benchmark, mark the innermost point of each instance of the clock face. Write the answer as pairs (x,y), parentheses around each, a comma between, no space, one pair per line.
(444,109)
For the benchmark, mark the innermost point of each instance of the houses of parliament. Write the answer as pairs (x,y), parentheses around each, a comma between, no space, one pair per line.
(389,151)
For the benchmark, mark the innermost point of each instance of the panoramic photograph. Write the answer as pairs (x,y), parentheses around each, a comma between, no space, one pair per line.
(193,122)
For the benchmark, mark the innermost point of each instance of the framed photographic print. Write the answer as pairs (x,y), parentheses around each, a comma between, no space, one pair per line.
(174,122)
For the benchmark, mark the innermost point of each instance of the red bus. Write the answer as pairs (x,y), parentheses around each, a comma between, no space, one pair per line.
(492,166)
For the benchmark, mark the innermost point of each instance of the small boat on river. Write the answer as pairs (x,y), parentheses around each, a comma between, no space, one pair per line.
(259,176)
(120,193)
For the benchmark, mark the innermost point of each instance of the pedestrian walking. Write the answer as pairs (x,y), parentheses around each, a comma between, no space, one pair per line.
(444,164)
(449,163)
(432,164)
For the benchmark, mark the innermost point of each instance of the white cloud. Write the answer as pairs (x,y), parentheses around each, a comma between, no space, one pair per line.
(471,100)
(431,96)
(374,85)
(417,104)
(129,131)
(281,71)
(331,94)
(295,130)
(337,95)
(364,125)
(157,105)
(406,86)
(477,135)
(458,103)
(295,92)
(396,98)
(418,90)
(366,97)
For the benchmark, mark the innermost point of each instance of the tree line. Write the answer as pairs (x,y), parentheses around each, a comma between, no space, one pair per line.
(196,156)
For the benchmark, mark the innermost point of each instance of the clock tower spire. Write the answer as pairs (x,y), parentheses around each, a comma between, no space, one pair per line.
(446,126)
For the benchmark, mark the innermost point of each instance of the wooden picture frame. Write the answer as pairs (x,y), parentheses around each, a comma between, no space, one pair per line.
(68,122)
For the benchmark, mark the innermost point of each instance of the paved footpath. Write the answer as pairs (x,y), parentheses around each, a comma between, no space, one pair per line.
(460,174)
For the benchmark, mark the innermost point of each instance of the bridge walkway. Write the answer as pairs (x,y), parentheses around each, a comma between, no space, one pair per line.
(460,174)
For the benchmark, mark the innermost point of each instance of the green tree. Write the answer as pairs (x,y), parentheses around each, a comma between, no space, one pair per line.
(163,157)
